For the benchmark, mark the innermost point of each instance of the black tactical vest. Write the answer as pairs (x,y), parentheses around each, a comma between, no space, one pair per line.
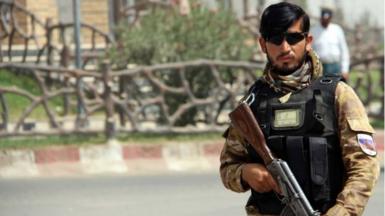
(303,132)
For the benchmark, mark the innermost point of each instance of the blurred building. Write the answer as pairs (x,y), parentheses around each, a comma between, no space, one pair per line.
(105,14)
(52,12)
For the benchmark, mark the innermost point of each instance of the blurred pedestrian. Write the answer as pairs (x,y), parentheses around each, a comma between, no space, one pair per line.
(330,45)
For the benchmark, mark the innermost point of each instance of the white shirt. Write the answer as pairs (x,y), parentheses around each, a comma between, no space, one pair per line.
(330,45)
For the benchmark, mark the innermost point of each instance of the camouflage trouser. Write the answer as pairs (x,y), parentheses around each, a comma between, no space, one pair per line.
(252,211)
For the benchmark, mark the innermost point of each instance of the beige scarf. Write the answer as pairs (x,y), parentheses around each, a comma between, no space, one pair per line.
(299,79)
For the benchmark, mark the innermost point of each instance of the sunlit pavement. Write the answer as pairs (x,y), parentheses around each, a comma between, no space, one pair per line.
(187,194)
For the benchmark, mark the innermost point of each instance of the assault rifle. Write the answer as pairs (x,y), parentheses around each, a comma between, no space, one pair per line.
(294,199)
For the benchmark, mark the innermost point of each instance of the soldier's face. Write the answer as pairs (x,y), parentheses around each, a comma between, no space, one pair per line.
(286,57)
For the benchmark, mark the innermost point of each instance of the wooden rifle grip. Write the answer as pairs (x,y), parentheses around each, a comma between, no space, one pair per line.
(243,120)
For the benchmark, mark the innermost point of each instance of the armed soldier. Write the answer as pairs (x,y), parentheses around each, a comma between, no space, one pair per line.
(316,124)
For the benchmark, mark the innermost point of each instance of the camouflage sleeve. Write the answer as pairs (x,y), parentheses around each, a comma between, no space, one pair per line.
(233,157)
(362,166)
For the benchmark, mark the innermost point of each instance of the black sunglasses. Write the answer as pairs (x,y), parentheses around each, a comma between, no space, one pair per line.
(291,38)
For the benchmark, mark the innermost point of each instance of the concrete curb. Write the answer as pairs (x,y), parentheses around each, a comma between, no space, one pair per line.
(115,158)
(111,158)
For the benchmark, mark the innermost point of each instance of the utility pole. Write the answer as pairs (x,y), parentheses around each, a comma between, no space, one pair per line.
(80,118)
(76,11)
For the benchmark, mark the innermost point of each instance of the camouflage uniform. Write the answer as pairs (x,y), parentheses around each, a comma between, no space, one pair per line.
(362,170)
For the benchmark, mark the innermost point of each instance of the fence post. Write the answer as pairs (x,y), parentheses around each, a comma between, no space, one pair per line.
(4,113)
(245,9)
(48,35)
(382,81)
(109,103)
(1,53)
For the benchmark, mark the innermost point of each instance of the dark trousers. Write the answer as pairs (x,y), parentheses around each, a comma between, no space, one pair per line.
(331,69)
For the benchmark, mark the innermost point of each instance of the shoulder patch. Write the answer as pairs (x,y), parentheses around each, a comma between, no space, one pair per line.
(367,144)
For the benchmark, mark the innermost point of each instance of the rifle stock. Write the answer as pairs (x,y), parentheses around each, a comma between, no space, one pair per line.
(243,120)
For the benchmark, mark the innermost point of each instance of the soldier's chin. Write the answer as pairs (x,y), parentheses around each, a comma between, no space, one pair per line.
(285,70)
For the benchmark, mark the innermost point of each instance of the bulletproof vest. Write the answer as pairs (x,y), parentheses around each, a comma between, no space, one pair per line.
(303,132)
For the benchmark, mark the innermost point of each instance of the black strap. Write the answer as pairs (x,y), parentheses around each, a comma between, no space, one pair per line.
(296,157)
(319,109)
(326,85)
(324,89)
(318,159)
(319,168)
(277,144)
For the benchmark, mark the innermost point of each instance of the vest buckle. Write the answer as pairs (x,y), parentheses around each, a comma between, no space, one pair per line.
(318,116)
(326,81)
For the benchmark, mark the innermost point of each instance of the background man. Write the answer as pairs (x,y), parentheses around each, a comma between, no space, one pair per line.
(318,125)
(330,45)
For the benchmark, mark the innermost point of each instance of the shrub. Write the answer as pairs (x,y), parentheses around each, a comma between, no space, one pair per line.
(165,36)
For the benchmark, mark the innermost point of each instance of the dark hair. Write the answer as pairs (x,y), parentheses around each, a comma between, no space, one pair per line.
(277,18)
(326,12)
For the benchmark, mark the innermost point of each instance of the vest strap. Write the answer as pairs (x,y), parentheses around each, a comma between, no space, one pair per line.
(319,109)
(295,146)
(319,167)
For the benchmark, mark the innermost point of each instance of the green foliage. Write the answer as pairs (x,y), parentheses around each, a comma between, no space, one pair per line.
(46,141)
(377,90)
(377,123)
(17,104)
(160,138)
(8,79)
(166,36)
(99,139)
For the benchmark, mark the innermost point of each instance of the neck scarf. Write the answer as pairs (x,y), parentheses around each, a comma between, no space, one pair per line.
(299,79)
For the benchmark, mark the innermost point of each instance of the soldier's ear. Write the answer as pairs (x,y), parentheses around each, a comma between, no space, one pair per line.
(309,41)
(262,43)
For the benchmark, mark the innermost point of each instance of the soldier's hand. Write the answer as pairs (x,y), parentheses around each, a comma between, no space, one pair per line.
(258,178)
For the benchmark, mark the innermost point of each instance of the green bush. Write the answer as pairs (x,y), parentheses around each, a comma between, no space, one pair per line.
(165,36)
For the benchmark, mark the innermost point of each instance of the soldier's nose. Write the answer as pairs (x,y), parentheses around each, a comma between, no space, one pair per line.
(285,46)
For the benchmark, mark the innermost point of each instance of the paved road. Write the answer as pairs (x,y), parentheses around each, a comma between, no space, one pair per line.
(163,195)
